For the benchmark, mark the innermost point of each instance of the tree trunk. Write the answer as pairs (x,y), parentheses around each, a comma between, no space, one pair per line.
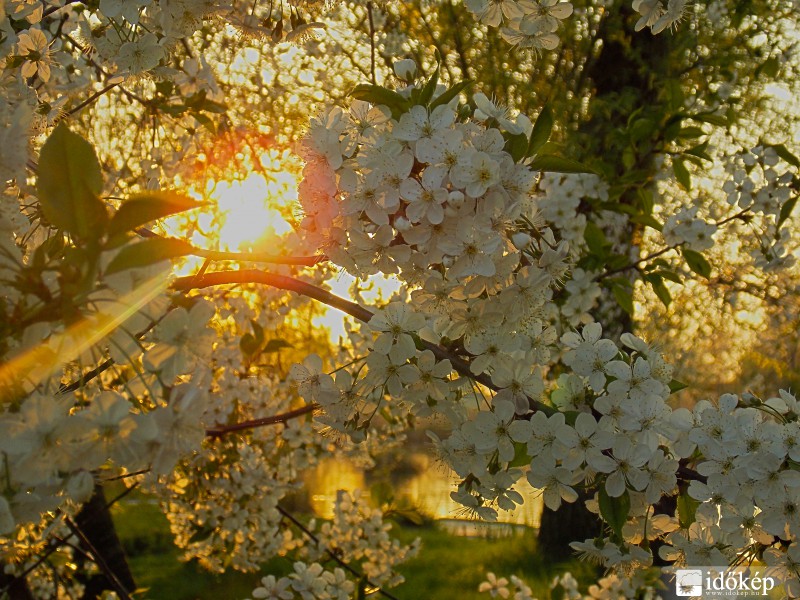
(621,85)
(94,520)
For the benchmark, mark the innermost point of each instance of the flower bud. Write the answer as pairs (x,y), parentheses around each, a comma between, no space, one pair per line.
(520,240)
(405,69)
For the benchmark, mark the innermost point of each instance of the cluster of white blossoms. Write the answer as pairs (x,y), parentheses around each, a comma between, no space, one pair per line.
(525,23)
(565,587)
(659,15)
(357,536)
(437,200)
(685,228)
(413,184)
(761,183)
(380,190)
(560,203)
(308,582)
(533,23)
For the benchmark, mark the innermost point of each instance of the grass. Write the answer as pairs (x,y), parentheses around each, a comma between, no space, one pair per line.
(448,567)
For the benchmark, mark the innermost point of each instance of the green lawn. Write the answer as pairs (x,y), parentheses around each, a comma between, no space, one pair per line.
(447,568)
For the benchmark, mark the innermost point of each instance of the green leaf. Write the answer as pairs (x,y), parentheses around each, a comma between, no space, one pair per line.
(784,153)
(69,185)
(542,129)
(258,331)
(641,129)
(670,275)
(148,252)
(614,510)
(700,151)
(676,386)
(516,146)
(769,68)
(521,456)
(786,210)
(691,132)
(205,121)
(657,283)
(149,206)
(165,87)
(687,508)
(379,95)
(711,118)
(429,88)
(557,164)
(201,533)
(276,345)
(616,207)
(624,298)
(645,197)
(450,93)
(173,109)
(213,107)
(248,345)
(682,174)
(673,90)
(648,220)
(596,239)
(697,262)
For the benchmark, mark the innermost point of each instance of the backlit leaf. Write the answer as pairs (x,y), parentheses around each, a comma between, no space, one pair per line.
(148,252)
(69,184)
(149,206)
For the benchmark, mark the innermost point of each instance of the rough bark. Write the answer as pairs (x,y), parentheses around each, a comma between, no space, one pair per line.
(625,74)
(94,520)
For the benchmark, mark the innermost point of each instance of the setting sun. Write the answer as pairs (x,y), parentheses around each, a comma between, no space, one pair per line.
(247,211)
(254,208)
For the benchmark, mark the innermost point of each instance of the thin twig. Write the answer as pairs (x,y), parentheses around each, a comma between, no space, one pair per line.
(125,475)
(86,378)
(91,99)
(253,423)
(371,44)
(98,559)
(635,264)
(308,533)
(121,495)
(275,259)
(53,9)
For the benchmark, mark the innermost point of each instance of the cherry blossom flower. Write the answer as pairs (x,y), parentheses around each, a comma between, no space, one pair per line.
(272,589)
(555,481)
(34,47)
(140,55)
(497,588)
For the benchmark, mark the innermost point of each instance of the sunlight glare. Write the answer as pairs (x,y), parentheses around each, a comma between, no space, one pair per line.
(248,211)
(378,288)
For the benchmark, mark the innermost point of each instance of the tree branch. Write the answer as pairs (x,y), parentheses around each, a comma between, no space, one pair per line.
(461,366)
(216,432)
(290,284)
(333,554)
(371,44)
